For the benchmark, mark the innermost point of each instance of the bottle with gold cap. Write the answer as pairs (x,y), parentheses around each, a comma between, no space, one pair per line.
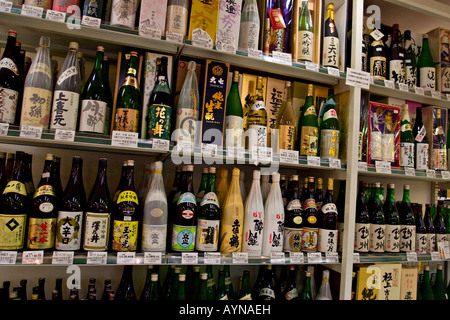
(234,117)
(310,219)
(328,229)
(330,48)
(285,122)
(257,119)
(308,138)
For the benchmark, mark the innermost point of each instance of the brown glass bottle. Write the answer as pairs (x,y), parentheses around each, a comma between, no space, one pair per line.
(310,221)
(328,219)
(293,218)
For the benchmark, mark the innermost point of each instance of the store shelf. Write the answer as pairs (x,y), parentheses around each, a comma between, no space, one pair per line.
(396,258)
(400,174)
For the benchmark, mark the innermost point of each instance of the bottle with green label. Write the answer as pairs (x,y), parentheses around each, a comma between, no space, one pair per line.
(406,139)
(426,67)
(392,221)
(329,131)
(128,103)
(410,61)
(308,133)
(257,119)
(234,121)
(305,40)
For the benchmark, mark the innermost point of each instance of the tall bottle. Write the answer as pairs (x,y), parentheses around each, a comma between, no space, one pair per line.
(438,285)
(426,288)
(42,218)
(38,89)
(319,193)
(328,216)
(14,207)
(128,103)
(186,212)
(177,16)
(310,222)
(234,116)
(406,139)
(278,32)
(267,291)
(324,290)
(265,184)
(94,99)
(123,13)
(222,186)
(378,59)
(330,49)
(208,220)
(92,291)
(377,221)
(362,222)
(397,57)
(188,107)
(293,218)
(160,105)
(249,27)
(305,44)
(232,219)
(109,97)
(407,224)
(439,150)
(203,185)
(329,131)
(306,293)
(286,121)
(257,119)
(10,81)
(57,292)
(273,232)
(410,61)
(392,221)
(426,67)
(66,96)
(430,230)
(69,226)
(152,289)
(439,227)
(287,286)
(308,137)
(245,292)
(125,290)
(126,215)
(98,212)
(421,146)
(155,213)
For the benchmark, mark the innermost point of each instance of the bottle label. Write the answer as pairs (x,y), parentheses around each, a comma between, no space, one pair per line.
(177,19)
(329,143)
(15,187)
(127,120)
(124,235)
(291,294)
(440,159)
(287,137)
(68,230)
(123,13)
(308,141)
(330,57)
(186,125)
(66,74)
(407,238)
(267,292)
(421,243)
(154,237)
(231,232)
(362,232)
(160,121)
(330,114)
(376,241)
(209,198)
(295,205)
(186,197)
(8,103)
(305,45)
(127,195)
(248,296)
(411,76)
(392,238)
(234,126)
(258,105)
(65,110)
(431,242)
(96,234)
(183,238)
(41,233)
(44,190)
(421,134)
(396,71)
(253,234)
(378,67)
(441,238)
(41,68)
(207,235)
(249,35)
(257,136)
(12,231)
(407,154)
(92,116)
(309,203)
(309,239)
(9,64)
(292,239)
(445,79)
(36,107)
(427,77)
(327,240)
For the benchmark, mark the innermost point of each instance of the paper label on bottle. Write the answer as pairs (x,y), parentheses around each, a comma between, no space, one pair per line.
(305,45)
(207,235)
(127,195)
(185,125)
(411,76)
(309,239)
(309,140)
(234,130)
(445,79)
(183,238)
(292,239)
(66,74)
(201,38)
(376,237)
(378,67)
(69,228)
(92,22)
(248,35)
(41,233)
(253,227)
(92,116)
(209,198)
(9,64)
(257,136)
(427,77)
(36,107)
(186,197)
(12,231)
(392,238)
(327,239)
(440,159)
(329,143)
(431,242)
(362,232)
(177,19)
(396,71)
(154,237)
(65,110)
(124,235)
(407,238)
(160,121)
(15,187)
(407,154)
(330,53)
(126,120)
(421,243)
(150,28)
(123,13)
(32,10)
(287,137)
(96,231)
(8,103)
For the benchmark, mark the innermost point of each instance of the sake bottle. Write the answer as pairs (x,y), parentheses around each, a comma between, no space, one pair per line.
(330,48)
(253,218)
(328,217)
(377,226)
(378,59)
(308,134)
(177,17)
(203,185)
(286,121)
(250,26)
(222,186)
(232,219)
(277,25)
(265,184)
(430,230)
(66,96)
(123,13)
(38,90)
(329,131)
(421,230)
(439,227)
(410,61)
(421,146)
(257,119)
(109,98)
(234,121)
(426,67)
(362,221)
(392,221)
(407,223)
(406,139)
(324,290)
(397,58)
(305,34)
(293,218)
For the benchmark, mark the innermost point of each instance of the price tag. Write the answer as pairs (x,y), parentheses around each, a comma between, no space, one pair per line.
(314,257)
(265,154)
(255,53)
(332,257)
(211,258)
(377,34)
(362,166)
(419,90)
(124,139)
(31,132)
(333,71)
(150,33)
(383,167)
(209,149)
(33,257)
(335,163)
(91,22)
(235,152)
(152,257)
(189,257)
(126,258)
(289,156)
(443,248)
(296,257)
(62,257)
(403,87)
(5,6)
(435,256)
(356,258)
(97,257)
(312,66)
(313,161)
(357,78)
(431,173)
(409,171)
(448,96)
(240,257)
(282,57)
(411,256)
(175,37)
(8,257)
(445,174)
(4,128)
(64,135)
(436,94)
(389,84)
(277,257)
(53,15)
(32,11)
(184,146)
(160,144)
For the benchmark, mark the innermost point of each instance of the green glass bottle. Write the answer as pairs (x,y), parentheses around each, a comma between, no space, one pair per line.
(234,116)
(377,226)
(308,137)
(221,294)
(407,224)
(438,285)
(410,61)
(211,284)
(329,131)
(168,283)
(195,285)
(392,221)
(228,283)
(181,289)
(204,293)
(305,38)
(203,185)
(109,106)
(362,221)
(426,289)
(306,293)
(245,292)
(426,67)
(406,139)
(152,288)
(128,103)
(175,282)
(439,226)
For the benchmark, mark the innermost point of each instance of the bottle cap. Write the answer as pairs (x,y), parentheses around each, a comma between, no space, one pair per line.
(282,177)
(130,163)
(288,84)
(182,277)
(100,48)
(439,267)
(12,33)
(256,174)
(73,45)
(154,277)
(236,76)
(158,166)
(189,167)
(205,170)
(212,170)
(204,276)
(236,171)
(406,187)
(133,53)
(391,185)
(192,65)
(177,270)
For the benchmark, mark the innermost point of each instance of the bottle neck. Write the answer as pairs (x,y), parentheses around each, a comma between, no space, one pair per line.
(10,48)
(211,183)
(47,173)
(406,196)
(391,195)
(99,61)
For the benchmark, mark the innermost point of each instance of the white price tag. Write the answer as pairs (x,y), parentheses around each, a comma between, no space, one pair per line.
(53,15)
(356,258)
(255,53)
(277,257)
(209,149)
(152,258)
(4,128)
(313,161)
(436,94)
(5,6)
(377,34)
(289,156)
(8,257)
(91,22)
(32,11)
(332,257)
(282,57)
(189,257)
(334,163)
(362,166)
(431,173)
(383,167)
(235,152)
(312,66)
(403,87)
(333,71)
(33,257)
(126,258)
(161,144)
(409,171)
(31,132)
(389,84)
(411,256)
(445,174)
(62,257)
(435,256)
(444,250)
(184,146)
(211,258)
(314,257)
(296,257)
(150,33)
(175,37)
(97,257)
(64,135)
(357,78)
(419,90)
(240,257)
(265,154)
(124,139)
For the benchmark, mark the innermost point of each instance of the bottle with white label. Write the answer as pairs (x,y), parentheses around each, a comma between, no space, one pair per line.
(66,96)
(392,221)
(305,38)
(421,146)
(439,227)
(377,224)
(250,26)
(330,48)
(362,223)
(273,232)
(177,17)
(123,13)
(407,224)
(397,58)
(253,218)
(421,229)
(410,61)
(426,67)
(406,139)
(430,230)
(234,116)
(293,218)
(257,119)
(328,218)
